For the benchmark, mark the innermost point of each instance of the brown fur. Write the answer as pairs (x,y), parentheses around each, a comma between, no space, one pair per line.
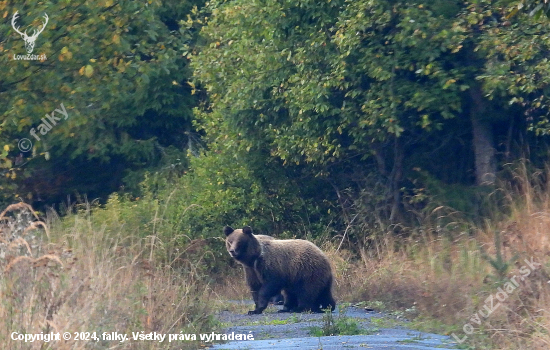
(296,267)
(254,282)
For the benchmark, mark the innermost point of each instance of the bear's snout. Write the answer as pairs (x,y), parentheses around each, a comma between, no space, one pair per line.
(235,252)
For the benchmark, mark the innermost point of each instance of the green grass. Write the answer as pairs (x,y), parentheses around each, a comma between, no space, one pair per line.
(340,325)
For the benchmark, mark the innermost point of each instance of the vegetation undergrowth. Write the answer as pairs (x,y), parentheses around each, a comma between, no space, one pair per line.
(486,284)
(339,325)
(444,275)
(90,273)
(134,266)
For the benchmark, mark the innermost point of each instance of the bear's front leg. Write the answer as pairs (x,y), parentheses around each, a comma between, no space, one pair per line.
(266,292)
(253,283)
(254,294)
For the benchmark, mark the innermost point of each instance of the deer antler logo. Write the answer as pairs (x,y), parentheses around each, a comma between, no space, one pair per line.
(29,40)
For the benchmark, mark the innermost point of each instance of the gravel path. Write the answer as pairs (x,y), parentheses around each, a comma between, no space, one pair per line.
(284,331)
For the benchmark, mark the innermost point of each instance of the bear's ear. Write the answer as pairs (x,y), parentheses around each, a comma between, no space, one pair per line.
(247,230)
(228,230)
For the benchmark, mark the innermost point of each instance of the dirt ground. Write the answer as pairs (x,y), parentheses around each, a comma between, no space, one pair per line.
(272,330)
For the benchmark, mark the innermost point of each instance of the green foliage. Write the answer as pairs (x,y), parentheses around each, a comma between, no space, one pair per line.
(187,213)
(331,88)
(499,263)
(535,8)
(317,114)
(241,189)
(119,69)
(340,325)
(428,193)
(371,90)
(320,82)
(516,66)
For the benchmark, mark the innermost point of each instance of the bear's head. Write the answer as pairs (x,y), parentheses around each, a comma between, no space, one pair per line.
(242,245)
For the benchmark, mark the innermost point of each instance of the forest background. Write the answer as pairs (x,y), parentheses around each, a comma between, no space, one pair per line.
(357,124)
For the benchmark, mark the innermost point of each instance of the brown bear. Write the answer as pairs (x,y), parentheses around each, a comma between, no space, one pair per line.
(296,267)
(253,281)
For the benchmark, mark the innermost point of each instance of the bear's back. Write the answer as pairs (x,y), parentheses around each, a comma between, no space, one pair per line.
(297,257)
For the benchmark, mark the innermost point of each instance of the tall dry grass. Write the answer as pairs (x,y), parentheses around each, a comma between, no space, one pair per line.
(83,276)
(443,277)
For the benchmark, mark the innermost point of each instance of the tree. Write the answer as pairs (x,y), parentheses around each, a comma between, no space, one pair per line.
(120,71)
(515,65)
(330,84)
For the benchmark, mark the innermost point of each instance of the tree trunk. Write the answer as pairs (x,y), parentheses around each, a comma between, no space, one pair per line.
(484,150)
(393,194)
(395,178)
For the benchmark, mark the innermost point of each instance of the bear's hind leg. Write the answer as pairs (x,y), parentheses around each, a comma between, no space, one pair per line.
(325,299)
(308,298)
(305,303)
(291,301)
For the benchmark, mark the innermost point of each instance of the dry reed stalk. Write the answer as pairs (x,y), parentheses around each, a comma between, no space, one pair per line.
(35,225)
(18,206)
(18,241)
(35,262)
